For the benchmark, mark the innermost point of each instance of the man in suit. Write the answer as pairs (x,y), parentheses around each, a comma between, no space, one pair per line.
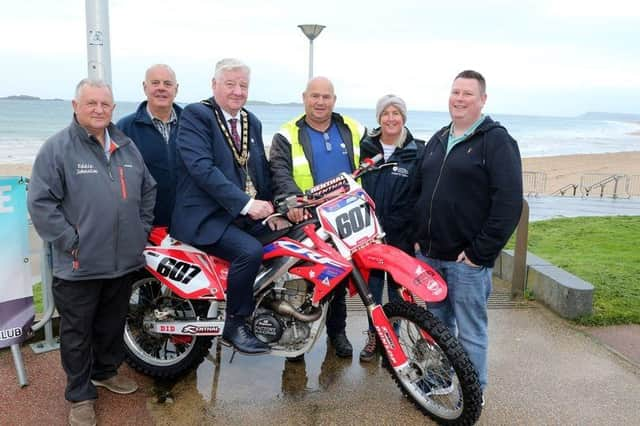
(223,190)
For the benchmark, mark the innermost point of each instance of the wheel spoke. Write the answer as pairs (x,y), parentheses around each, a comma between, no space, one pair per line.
(434,358)
(155,349)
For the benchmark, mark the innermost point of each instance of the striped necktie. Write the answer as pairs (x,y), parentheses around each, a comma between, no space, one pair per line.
(234,133)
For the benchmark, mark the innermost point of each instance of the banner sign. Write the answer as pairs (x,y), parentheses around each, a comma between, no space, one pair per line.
(16,294)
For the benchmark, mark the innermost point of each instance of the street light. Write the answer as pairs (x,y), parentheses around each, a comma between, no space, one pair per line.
(311,31)
(98,40)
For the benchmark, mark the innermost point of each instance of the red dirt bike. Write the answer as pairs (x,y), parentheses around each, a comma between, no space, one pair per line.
(178,307)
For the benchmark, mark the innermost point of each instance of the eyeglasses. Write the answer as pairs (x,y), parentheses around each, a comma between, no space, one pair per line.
(327,142)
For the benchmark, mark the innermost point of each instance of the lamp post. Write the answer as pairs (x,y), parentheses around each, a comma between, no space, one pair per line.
(98,40)
(311,31)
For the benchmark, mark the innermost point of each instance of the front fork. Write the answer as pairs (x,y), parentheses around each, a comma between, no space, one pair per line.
(395,353)
(397,358)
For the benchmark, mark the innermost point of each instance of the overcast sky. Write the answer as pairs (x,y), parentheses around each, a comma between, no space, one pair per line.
(540,57)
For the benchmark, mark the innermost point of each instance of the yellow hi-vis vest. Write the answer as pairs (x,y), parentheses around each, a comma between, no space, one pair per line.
(301,170)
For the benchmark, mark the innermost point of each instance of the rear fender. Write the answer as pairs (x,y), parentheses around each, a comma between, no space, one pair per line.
(407,271)
(188,272)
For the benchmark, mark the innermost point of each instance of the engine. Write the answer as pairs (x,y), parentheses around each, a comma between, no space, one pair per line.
(284,316)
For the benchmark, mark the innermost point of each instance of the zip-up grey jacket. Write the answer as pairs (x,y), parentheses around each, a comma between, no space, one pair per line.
(96,212)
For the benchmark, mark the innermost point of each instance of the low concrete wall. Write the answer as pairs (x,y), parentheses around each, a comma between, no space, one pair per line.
(564,293)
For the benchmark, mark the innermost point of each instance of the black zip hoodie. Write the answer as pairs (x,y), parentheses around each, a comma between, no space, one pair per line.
(389,188)
(470,199)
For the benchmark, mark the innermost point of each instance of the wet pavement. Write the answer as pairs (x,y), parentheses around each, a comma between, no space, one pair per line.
(542,208)
(543,370)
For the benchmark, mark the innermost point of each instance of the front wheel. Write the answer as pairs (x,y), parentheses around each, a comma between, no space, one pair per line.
(160,355)
(440,380)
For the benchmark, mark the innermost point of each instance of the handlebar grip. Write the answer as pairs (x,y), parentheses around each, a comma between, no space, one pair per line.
(327,187)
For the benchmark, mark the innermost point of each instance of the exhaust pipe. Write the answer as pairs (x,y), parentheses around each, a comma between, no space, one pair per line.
(285,308)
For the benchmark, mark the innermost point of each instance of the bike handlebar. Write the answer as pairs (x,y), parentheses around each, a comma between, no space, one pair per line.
(324,190)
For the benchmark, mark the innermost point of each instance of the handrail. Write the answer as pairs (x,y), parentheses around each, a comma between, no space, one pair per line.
(47,293)
(601,184)
(564,189)
(50,343)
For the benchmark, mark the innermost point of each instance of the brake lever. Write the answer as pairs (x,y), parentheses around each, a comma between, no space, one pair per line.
(384,165)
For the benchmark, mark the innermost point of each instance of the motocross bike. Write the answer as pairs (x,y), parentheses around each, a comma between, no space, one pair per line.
(177,308)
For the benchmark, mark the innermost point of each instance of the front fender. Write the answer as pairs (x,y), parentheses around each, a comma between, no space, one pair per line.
(407,271)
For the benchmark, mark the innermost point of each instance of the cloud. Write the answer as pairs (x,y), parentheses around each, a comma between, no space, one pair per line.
(622,9)
(544,50)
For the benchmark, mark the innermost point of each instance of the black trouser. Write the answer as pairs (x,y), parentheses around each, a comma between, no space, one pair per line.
(337,313)
(92,318)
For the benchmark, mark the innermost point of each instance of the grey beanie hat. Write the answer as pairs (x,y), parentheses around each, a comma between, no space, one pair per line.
(394,100)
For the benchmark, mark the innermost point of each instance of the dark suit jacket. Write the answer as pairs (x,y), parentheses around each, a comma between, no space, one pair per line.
(210,185)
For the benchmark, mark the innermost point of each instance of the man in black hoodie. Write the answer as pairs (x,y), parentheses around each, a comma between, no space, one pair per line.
(469,187)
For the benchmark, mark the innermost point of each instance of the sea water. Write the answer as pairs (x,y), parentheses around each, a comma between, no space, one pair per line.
(25,124)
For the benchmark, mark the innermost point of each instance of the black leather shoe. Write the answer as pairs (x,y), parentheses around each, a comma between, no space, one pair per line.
(238,335)
(342,345)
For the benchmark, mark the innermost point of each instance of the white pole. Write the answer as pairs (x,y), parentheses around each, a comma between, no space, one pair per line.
(310,59)
(311,31)
(98,44)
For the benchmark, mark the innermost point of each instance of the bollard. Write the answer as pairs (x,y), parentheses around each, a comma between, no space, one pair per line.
(518,280)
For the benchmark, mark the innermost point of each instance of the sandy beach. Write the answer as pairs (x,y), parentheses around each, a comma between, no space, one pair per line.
(560,170)
(15,170)
(567,169)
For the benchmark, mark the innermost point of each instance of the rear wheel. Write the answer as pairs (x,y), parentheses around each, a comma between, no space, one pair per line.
(160,355)
(440,381)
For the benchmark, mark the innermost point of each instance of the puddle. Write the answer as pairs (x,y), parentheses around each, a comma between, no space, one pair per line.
(269,382)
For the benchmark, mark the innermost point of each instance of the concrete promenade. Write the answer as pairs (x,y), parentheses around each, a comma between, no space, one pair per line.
(541,208)
(543,371)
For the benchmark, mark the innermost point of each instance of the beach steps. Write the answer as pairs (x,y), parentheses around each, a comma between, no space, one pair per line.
(601,185)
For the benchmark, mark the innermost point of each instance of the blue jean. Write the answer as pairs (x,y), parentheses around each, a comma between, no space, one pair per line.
(464,311)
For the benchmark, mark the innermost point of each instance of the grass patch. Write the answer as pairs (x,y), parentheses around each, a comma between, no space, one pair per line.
(37,298)
(602,251)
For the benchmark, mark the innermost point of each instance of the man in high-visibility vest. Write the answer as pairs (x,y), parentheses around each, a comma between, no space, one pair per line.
(309,150)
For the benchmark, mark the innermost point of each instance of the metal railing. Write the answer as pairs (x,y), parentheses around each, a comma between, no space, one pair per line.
(572,188)
(534,183)
(633,185)
(615,186)
(50,343)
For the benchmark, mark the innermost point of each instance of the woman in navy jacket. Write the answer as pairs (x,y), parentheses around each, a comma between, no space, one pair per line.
(389,189)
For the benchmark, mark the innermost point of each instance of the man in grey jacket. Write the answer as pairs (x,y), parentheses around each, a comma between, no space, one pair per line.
(92,198)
